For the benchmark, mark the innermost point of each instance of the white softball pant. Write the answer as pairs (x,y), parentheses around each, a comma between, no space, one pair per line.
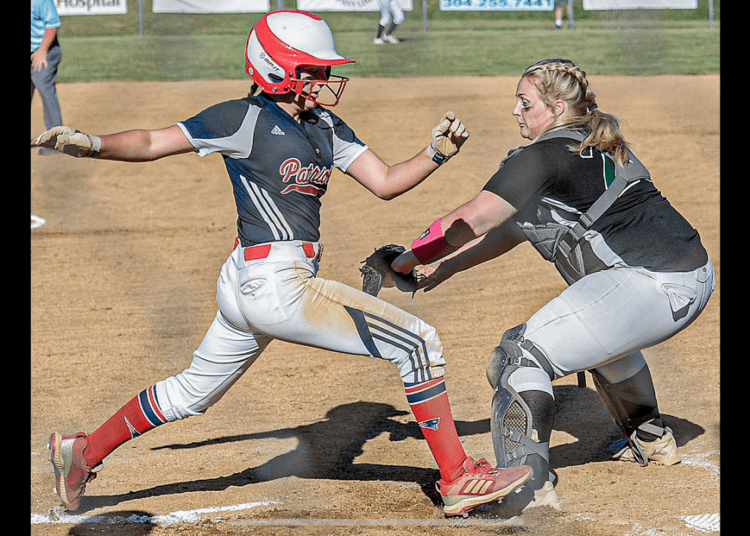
(603,320)
(280,297)
(388,9)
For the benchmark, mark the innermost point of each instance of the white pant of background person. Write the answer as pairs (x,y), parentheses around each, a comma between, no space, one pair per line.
(390,9)
(280,297)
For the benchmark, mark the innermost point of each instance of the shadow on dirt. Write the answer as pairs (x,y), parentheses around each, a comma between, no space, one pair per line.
(327,449)
(123,523)
(580,413)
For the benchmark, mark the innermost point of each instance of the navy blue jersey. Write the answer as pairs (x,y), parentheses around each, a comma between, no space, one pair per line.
(279,168)
(549,184)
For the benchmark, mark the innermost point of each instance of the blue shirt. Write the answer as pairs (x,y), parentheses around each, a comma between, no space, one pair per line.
(279,168)
(43,17)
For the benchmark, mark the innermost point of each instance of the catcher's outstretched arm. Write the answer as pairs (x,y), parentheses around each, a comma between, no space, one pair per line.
(476,218)
(471,220)
(492,245)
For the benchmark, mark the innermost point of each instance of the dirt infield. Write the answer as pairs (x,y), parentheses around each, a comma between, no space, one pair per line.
(123,281)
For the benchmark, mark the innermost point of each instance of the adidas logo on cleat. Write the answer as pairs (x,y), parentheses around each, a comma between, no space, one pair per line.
(476,487)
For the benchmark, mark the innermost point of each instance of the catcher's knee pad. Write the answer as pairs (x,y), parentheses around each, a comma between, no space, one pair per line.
(523,408)
(514,347)
(632,405)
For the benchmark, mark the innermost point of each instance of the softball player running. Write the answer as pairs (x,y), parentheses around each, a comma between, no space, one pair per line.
(637,271)
(279,146)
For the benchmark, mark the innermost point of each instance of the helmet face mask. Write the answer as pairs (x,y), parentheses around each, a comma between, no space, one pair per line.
(329,88)
(281,44)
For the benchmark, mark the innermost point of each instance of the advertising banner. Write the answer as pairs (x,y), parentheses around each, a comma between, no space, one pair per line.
(211,6)
(639,4)
(346,5)
(91,7)
(497,5)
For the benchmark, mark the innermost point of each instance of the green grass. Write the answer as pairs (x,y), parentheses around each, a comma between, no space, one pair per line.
(508,52)
(179,47)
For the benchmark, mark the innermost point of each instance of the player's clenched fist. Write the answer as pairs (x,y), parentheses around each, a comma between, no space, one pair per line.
(447,138)
(69,141)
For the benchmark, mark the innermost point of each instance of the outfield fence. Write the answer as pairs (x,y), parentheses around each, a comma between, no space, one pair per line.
(106,17)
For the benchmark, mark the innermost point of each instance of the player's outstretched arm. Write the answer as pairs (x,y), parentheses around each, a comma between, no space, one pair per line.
(390,181)
(495,243)
(128,146)
(468,222)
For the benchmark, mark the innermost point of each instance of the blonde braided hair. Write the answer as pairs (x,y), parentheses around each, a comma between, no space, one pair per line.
(562,79)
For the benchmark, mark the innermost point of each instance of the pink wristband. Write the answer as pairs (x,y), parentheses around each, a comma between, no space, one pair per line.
(431,245)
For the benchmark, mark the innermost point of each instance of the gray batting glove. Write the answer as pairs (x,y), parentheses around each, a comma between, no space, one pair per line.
(69,141)
(447,138)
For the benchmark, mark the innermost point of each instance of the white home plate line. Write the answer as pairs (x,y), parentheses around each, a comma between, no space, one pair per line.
(457,522)
(698,460)
(58,516)
(704,523)
(37,221)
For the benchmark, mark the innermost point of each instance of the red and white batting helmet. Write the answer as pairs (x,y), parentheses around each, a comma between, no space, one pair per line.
(281,42)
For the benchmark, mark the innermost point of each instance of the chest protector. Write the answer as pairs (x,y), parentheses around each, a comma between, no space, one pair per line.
(562,244)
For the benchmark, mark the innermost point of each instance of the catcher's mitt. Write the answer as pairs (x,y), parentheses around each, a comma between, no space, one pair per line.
(377,272)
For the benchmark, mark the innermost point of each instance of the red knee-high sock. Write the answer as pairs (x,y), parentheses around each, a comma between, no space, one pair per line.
(136,417)
(430,405)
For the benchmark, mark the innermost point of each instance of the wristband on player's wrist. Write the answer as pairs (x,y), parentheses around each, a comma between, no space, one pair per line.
(96,146)
(437,157)
(432,244)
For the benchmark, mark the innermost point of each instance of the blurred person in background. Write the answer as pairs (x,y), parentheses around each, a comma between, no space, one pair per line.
(559,4)
(46,54)
(390,11)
